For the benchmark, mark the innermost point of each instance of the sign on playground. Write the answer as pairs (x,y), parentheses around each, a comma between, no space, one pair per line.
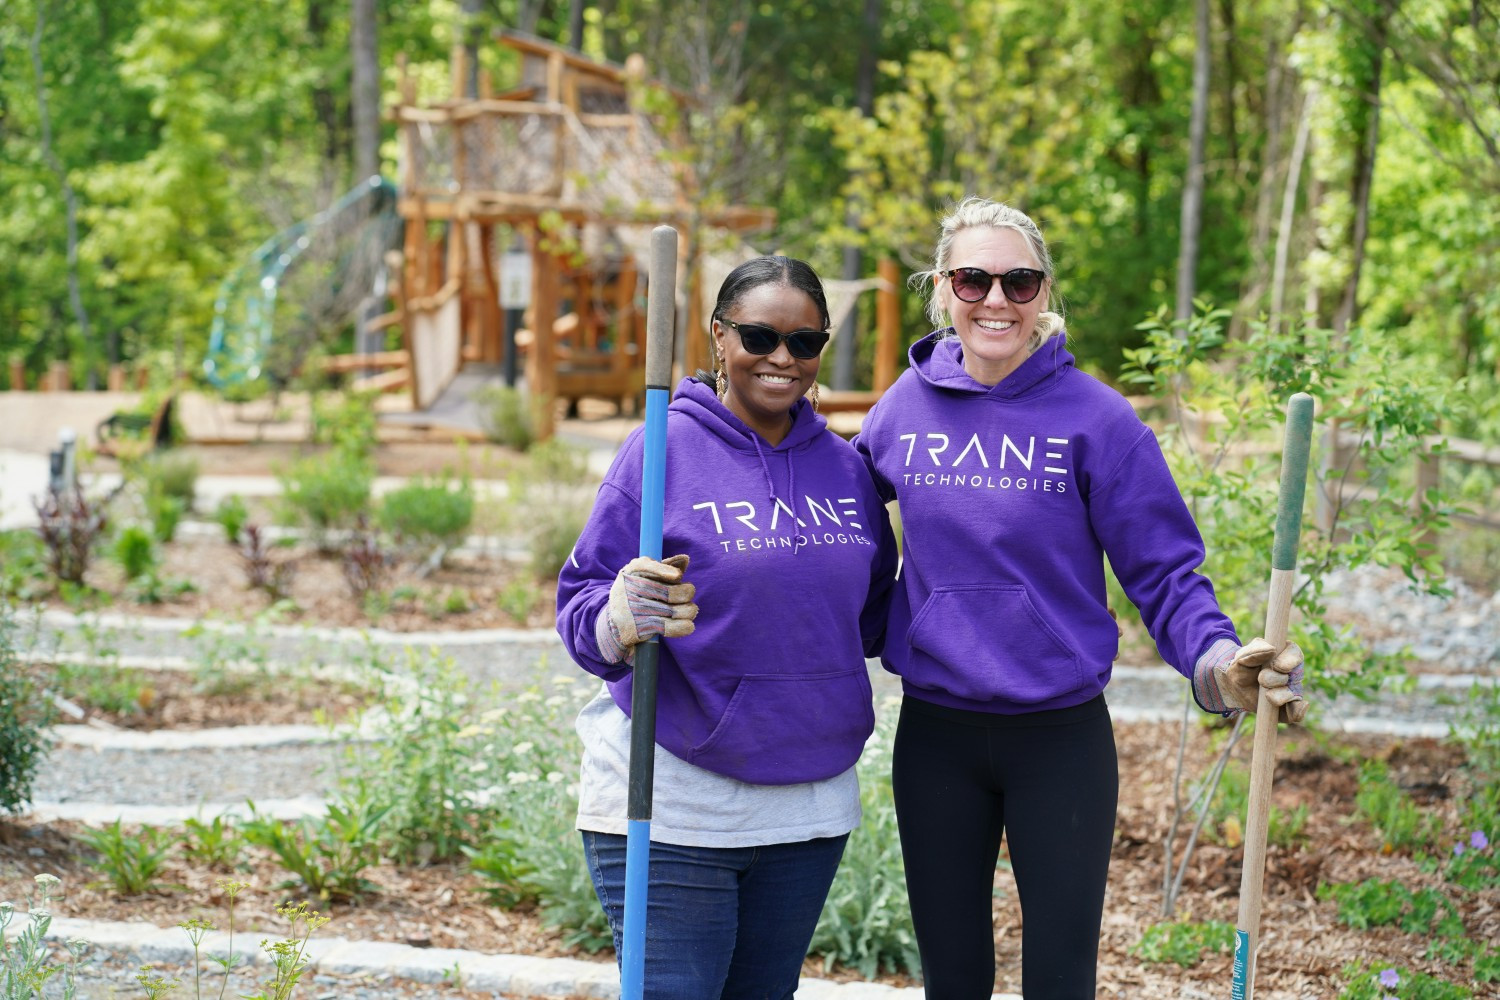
(515,279)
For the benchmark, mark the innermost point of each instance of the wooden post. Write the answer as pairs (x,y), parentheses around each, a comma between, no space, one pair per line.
(541,362)
(695,332)
(17,374)
(116,381)
(57,377)
(887,324)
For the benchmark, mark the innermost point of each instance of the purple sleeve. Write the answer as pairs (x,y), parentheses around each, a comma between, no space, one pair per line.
(1155,550)
(609,541)
(872,618)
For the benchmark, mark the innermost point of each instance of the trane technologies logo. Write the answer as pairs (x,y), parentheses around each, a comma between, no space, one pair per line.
(777,526)
(1005,465)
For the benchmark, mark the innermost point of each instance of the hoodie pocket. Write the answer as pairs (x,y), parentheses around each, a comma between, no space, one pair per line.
(781,729)
(987,643)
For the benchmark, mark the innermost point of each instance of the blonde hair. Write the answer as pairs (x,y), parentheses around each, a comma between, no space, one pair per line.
(974,213)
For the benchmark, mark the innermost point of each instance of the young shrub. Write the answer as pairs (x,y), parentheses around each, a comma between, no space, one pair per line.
(431,514)
(551,500)
(23,566)
(169,474)
(135,550)
(231,514)
(366,563)
(263,570)
(70,526)
(25,714)
(505,416)
(326,493)
(131,860)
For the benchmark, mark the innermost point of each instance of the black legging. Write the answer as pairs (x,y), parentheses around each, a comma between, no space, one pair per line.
(1047,780)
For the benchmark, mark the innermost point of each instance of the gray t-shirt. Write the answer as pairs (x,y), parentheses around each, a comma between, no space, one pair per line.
(698,808)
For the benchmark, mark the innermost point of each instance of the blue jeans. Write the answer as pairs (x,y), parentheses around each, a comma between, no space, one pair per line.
(730,923)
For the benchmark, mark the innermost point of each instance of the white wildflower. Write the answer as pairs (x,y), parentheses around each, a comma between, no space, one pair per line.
(520,777)
(523,747)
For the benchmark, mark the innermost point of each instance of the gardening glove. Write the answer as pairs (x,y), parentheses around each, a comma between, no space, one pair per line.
(1228,678)
(648,598)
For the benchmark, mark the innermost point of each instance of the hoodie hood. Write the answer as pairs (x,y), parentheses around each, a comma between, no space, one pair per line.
(938,360)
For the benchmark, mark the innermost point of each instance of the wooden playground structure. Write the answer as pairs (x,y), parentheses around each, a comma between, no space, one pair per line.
(561,178)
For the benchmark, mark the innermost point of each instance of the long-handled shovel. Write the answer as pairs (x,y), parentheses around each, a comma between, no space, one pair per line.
(1295,448)
(661,315)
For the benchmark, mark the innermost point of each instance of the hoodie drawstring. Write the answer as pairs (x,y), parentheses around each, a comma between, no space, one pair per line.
(791,475)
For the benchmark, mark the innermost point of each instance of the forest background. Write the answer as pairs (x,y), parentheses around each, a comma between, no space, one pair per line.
(1334,162)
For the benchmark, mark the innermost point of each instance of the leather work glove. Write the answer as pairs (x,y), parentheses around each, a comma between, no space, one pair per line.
(648,598)
(1228,678)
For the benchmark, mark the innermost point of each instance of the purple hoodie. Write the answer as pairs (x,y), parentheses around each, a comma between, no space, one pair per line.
(1011,497)
(793,559)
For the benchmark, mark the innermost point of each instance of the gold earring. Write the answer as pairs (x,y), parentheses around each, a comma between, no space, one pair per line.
(721,378)
(812,394)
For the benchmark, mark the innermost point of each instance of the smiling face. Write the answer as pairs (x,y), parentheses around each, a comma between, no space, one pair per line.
(995,332)
(764,387)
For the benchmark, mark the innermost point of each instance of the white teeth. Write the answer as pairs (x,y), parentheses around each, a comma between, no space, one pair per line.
(994,324)
(775,379)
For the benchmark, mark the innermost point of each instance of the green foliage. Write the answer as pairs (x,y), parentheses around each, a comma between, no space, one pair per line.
(1391,813)
(135,551)
(327,492)
(1223,447)
(1231,804)
(431,513)
(326,855)
(506,416)
(105,687)
(550,503)
(232,514)
(26,956)
(346,421)
(23,566)
(1184,943)
(211,843)
(288,956)
(517,598)
(1365,983)
(25,714)
(168,474)
(1374,903)
(865,923)
(165,513)
(130,860)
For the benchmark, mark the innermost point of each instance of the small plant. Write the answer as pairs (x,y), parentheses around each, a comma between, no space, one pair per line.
(457,601)
(212,843)
(135,550)
(327,492)
(25,958)
(105,688)
(23,566)
(431,514)
(1391,813)
(505,416)
(264,571)
(551,503)
(327,855)
(165,513)
(1184,943)
(289,955)
(346,421)
(169,474)
(1366,983)
(365,562)
(1231,803)
(131,861)
(517,598)
(197,929)
(70,526)
(25,714)
(231,515)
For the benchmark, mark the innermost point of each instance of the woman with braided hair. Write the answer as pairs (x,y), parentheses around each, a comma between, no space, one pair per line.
(764,700)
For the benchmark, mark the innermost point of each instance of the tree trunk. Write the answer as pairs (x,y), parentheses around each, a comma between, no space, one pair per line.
(365,96)
(325,100)
(1364,179)
(473,11)
(575,25)
(1192,191)
(1289,205)
(845,347)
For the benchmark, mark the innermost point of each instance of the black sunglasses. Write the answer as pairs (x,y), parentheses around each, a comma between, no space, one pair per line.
(760,339)
(971,284)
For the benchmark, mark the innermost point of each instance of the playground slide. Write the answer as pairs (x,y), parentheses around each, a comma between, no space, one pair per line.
(244,323)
